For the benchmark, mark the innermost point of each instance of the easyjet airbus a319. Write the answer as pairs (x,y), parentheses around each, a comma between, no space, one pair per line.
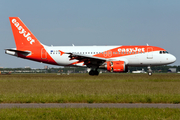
(111,58)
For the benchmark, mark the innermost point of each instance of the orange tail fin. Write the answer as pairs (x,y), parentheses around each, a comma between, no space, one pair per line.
(22,35)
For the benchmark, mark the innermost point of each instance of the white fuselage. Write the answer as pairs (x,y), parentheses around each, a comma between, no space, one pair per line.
(131,59)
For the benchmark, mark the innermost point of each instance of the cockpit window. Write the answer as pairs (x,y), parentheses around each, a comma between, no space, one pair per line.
(163,52)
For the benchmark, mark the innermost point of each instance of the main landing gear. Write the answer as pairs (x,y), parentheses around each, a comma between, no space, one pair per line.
(93,72)
(149,70)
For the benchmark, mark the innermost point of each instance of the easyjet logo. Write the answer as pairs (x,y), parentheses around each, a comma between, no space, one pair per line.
(23,32)
(136,49)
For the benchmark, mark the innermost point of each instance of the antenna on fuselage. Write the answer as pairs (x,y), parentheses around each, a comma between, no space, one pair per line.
(72,44)
(147,45)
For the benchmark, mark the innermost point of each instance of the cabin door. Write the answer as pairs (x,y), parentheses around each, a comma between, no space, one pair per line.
(149,53)
(43,54)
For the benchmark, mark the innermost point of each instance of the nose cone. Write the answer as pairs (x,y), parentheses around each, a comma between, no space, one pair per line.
(172,59)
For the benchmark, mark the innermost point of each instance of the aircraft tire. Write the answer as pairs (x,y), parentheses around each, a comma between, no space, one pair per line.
(92,72)
(149,73)
(96,72)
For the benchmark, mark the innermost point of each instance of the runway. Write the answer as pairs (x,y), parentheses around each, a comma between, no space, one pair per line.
(87,105)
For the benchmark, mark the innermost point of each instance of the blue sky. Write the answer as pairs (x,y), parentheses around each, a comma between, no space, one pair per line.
(92,22)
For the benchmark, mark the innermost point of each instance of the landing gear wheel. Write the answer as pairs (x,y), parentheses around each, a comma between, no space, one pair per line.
(149,73)
(96,72)
(93,72)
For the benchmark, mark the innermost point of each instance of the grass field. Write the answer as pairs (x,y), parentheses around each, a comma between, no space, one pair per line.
(77,88)
(90,114)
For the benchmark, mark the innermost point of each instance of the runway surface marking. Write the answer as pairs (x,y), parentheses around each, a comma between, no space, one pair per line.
(88,105)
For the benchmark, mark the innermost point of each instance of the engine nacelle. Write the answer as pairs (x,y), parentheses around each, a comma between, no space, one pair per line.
(116,66)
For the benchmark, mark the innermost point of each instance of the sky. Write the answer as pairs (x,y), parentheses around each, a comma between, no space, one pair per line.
(91,22)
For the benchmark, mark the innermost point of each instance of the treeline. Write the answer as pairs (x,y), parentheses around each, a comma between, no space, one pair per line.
(156,69)
(49,70)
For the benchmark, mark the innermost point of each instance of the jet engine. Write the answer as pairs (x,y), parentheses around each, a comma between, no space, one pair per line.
(116,66)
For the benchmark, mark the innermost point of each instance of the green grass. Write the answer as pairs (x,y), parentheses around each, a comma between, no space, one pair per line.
(78,88)
(90,113)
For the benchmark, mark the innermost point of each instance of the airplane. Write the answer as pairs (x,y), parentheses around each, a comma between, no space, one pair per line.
(112,58)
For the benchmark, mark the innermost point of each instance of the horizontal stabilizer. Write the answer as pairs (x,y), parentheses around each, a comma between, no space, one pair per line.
(15,52)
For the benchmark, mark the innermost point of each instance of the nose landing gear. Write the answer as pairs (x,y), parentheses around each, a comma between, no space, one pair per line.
(149,70)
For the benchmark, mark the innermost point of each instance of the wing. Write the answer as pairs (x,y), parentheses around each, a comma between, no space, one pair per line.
(89,61)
